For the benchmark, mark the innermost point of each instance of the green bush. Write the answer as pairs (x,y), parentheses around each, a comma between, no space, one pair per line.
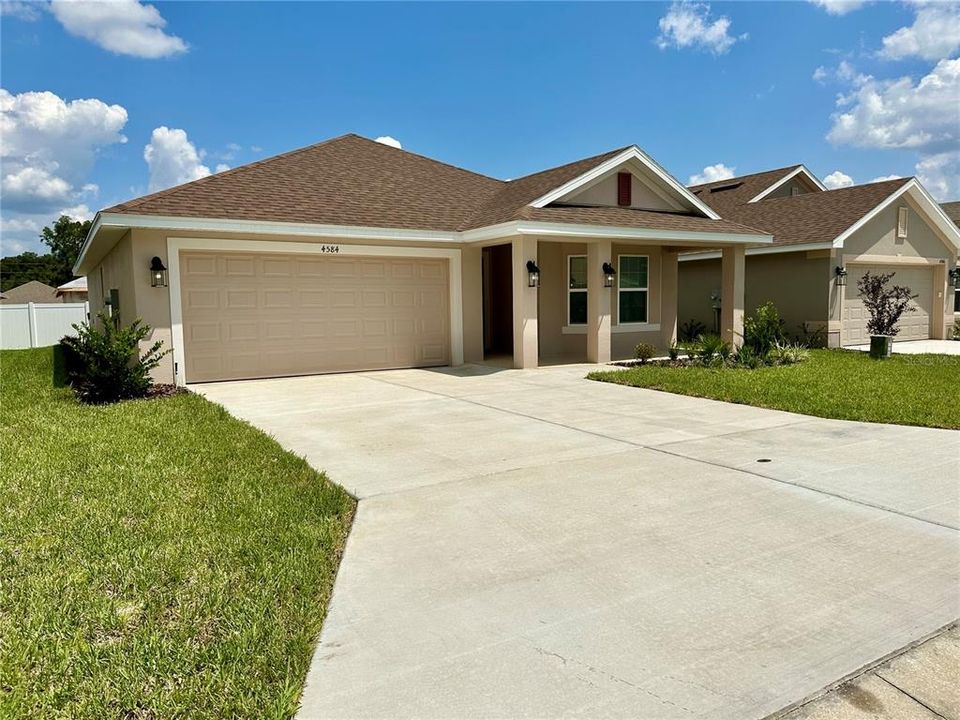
(956,329)
(674,351)
(104,364)
(747,357)
(787,354)
(691,330)
(643,352)
(711,350)
(764,329)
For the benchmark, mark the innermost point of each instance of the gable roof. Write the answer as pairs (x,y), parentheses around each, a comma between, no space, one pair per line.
(31,291)
(952,210)
(816,217)
(724,195)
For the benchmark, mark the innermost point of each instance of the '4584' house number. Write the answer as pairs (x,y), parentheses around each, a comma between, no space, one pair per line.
(329,248)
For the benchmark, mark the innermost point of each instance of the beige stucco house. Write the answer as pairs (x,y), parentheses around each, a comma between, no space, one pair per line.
(824,241)
(353,255)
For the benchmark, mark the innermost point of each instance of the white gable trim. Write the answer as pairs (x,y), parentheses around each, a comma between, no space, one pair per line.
(631,153)
(923,198)
(799,171)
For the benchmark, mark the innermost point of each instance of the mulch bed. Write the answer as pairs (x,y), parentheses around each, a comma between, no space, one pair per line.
(162,390)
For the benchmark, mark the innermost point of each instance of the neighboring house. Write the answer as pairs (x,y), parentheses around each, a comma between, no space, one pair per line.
(73,291)
(30,292)
(891,226)
(952,209)
(353,255)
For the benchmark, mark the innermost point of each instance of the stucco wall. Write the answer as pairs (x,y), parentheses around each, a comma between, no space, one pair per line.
(795,282)
(115,272)
(605,193)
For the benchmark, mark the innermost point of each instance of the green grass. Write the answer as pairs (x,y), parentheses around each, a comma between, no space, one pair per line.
(158,559)
(903,390)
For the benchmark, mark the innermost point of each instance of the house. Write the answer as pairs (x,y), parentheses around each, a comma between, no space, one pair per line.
(33,291)
(353,255)
(824,241)
(74,291)
(952,209)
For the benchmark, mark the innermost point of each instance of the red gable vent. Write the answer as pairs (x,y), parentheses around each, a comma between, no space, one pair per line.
(624,182)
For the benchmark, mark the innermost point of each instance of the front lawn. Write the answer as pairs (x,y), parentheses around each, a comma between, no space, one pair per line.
(904,390)
(158,559)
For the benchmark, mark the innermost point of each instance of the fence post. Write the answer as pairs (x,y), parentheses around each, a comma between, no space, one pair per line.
(32,320)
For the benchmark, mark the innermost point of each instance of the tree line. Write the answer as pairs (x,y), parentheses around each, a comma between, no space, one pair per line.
(64,238)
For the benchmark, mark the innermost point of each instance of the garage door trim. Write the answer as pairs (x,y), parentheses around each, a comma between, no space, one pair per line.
(176,244)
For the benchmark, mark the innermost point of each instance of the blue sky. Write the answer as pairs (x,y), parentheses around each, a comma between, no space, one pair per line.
(503,89)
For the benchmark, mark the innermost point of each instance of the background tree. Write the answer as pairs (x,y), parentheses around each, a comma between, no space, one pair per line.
(64,238)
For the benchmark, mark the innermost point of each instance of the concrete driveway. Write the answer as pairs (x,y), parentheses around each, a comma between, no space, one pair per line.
(532,544)
(917,347)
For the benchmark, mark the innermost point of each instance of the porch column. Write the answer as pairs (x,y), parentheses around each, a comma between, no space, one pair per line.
(733,270)
(669,297)
(525,337)
(598,302)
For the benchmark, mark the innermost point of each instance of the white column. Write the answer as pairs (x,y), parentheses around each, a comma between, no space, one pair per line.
(598,302)
(525,333)
(733,269)
(669,297)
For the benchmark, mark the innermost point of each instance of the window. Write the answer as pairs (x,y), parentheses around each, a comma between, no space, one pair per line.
(902,222)
(577,290)
(632,289)
(956,300)
(794,191)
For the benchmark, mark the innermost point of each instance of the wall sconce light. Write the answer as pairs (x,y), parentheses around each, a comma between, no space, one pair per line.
(533,274)
(954,276)
(609,273)
(158,273)
(840,274)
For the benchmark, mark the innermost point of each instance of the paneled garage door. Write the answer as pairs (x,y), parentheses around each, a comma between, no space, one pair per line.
(913,325)
(250,315)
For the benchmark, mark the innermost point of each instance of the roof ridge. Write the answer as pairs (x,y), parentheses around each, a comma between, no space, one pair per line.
(572,162)
(833,191)
(737,178)
(433,160)
(136,202)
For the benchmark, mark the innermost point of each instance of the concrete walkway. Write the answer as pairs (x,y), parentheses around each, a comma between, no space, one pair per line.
(533,544)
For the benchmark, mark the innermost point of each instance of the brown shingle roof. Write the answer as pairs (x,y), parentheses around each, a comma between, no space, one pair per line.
(724,195)
(952,209)
(813,217)
(354,181)
(32,291)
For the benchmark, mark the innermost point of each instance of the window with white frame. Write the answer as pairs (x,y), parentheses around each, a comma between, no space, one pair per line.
(576,290)
(632,289)
(901,222)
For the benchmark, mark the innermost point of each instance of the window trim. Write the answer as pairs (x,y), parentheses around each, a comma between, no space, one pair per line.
(573,290)
(903,214)
(621,289)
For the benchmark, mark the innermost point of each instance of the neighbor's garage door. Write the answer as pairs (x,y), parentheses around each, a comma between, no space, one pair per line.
(249,315)
(913,325)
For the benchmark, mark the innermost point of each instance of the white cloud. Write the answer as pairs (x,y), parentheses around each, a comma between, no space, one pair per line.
(821,74)
(940,174)
(50,146)
(884,178)
(221,167)
(712,173)
(839,7)
(837,179)
(901,114)
(935,34)
(78,212)
(124,27)
(172,159)
(29,11)
(387,140)
(690,25)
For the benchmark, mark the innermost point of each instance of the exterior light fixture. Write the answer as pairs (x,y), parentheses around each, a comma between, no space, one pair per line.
(609,273)
(840,273)
(158,273)
(954,276)
(533,274)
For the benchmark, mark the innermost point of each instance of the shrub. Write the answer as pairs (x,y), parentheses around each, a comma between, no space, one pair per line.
(763,329)
(711,350)
(747,357)
(674,351)
(643,352)
(956,329)
(812,335)
(691,330)
(884,304)
(104,364)
(788,354)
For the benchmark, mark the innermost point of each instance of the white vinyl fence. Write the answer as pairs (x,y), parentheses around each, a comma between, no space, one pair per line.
(39,324)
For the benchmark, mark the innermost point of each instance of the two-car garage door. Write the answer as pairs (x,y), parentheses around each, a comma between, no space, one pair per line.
(249,315)
(913,325)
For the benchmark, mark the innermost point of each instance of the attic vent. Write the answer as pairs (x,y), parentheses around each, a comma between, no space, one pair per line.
(624,182)
(729,186)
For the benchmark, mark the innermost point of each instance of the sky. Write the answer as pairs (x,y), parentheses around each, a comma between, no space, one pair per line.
(105,101)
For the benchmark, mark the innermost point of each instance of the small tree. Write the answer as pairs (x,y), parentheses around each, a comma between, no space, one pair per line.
(885,304)
(104,363)
(763,330)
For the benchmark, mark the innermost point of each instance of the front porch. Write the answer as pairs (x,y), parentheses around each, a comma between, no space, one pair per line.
(582,299)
